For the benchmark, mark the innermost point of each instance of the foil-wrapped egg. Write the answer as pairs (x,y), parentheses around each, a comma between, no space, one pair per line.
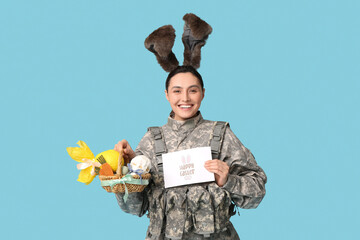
(140,162)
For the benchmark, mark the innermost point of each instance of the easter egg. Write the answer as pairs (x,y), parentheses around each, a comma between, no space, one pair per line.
(111,157)
(141,163)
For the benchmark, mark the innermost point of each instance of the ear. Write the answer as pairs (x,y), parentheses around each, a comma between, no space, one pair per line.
(167,95)
(160,42)
(196,32)
(183,159)
(203,94)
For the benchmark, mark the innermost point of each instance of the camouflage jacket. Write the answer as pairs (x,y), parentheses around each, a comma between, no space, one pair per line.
(202,210)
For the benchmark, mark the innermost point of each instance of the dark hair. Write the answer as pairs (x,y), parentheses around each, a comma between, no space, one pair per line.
(184,69)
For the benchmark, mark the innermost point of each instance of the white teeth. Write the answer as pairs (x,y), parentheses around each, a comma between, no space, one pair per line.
(185,106)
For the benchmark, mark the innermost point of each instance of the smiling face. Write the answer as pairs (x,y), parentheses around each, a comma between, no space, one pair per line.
(184,95)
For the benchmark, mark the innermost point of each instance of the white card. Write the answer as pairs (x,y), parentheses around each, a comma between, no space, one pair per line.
(187,167)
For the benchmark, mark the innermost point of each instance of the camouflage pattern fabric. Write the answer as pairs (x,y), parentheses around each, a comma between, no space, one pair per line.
(198,211)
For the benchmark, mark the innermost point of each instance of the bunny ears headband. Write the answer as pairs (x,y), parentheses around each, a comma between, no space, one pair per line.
(161,41)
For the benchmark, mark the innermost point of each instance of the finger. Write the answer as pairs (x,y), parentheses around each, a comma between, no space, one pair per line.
(121,145)
(215,170)
(211,166)
(214,165)
(118,148)
(124,143)
(221,170)
(209,163)
(215,162)
(224,167)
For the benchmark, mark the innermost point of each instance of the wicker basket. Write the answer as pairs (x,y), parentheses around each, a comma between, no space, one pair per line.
(120,187)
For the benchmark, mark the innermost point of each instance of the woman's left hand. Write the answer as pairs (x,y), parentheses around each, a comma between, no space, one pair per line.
(221,170)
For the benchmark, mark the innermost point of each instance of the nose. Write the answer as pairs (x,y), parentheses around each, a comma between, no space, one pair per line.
(185,96)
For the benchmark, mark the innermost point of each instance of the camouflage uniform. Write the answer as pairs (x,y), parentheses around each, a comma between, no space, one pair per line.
(198,211)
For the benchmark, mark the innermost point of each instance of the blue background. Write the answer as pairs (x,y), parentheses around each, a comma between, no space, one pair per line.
(284,73)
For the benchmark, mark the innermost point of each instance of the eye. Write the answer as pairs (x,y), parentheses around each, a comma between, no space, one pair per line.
(194,90)
(176,91)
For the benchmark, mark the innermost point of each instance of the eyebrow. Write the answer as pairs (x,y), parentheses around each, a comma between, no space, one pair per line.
(189,86)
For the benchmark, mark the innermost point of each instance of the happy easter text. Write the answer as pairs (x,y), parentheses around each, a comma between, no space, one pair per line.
(187,169)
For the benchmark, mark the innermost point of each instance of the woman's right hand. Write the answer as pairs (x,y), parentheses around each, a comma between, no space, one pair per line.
(124,146)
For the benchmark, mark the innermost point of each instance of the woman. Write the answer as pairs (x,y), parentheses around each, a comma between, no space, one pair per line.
(198,211)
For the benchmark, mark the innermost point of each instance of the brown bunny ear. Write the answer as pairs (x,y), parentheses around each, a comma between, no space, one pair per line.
(196,31)
(160,42)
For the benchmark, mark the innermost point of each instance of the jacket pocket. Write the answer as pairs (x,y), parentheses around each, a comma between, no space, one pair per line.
(221,202)
(156,214)
(200,204)
(175,212)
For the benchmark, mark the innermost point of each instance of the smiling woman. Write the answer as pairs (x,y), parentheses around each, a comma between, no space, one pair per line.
(184,94)
(201,210)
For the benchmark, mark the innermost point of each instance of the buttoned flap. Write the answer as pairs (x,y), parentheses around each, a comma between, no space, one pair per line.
(197,196)
(175,197)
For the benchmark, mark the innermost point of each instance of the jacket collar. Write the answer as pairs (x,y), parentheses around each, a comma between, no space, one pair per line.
(186,125)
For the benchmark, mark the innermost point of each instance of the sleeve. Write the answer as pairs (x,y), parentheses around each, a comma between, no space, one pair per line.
(246,180)
(137,203)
